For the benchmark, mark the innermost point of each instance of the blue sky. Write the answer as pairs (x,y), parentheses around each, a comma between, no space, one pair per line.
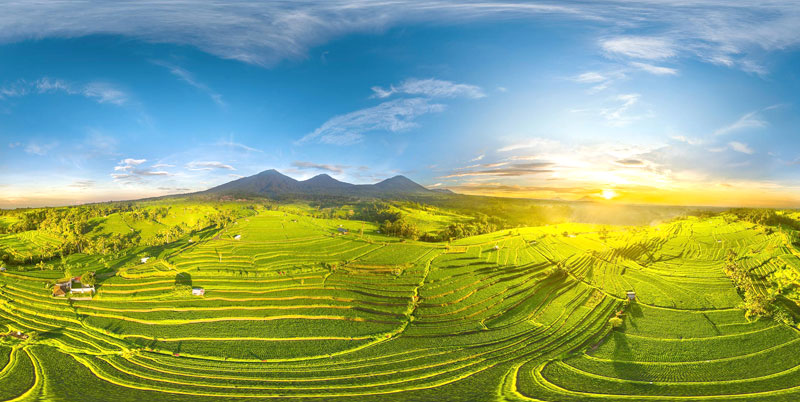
(691,102)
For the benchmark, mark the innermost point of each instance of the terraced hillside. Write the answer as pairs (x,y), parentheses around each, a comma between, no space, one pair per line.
(293,308)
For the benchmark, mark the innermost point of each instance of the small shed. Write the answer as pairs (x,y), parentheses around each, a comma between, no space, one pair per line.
(191,241)
(62,288)
(2,269)
(343,230)
(144,260)
(237,237)
(631,295)
(82,289)
(198,291)
(496,247)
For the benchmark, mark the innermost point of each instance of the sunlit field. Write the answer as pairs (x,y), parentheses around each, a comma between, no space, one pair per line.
(295,309)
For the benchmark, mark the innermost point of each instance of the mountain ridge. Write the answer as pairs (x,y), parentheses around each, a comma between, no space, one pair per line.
(273,183)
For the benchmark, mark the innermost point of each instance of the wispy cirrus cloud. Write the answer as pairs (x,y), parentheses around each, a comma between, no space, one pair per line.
(507,170)
(208,165)
(747,121)
(101,92)
(237,146)
(189,78)
(263,33)
(653,69)
(303,165)
(431,88)
(393,116)
(40,148)
(640,47)
(741,147)
(620,110)
(130,170)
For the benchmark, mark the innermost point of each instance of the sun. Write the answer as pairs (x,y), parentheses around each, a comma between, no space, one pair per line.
(608,193)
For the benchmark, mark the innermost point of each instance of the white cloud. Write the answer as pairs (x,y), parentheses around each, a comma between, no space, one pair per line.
(259,33)
(161,165)
(395,116)
(687,140)
(748,120)
(740,147)
(104,93)
(131,172)
(716,31)
(319,166)
(622,114)
(208,165)
(189,78)
(640,47)
(101,92)
(35,148)
(237,146)
(133,162)
(542,143)
(477,158)
(432,88)
(657,70)
(591,77)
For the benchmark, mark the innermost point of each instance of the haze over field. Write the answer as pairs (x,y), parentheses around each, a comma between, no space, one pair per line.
(682,103)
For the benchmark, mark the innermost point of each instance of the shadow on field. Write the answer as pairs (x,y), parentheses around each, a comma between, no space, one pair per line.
(54,333)
(622,353)
(183,279)
(635,311)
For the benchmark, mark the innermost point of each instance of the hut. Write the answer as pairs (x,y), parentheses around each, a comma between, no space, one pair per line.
(198,291)
(343,230)
(2,269)
(631,295)
(62,288)
(496,247)
(144,260)
(237,237)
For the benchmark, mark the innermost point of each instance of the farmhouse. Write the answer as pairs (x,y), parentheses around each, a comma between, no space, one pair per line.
(62,288)
(631,295)
(198,291)
(343,230)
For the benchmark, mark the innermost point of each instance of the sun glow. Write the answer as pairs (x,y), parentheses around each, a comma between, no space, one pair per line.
(608,193)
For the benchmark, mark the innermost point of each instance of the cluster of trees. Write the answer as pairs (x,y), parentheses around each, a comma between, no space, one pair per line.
(757,304)
(400,228)
(764,217)
(377,212)
(73,226)
(481,225)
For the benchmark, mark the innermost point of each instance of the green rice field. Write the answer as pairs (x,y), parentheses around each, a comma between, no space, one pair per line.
(295,310)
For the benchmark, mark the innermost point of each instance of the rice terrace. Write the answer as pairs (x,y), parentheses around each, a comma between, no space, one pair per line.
(292,308)
(400,201)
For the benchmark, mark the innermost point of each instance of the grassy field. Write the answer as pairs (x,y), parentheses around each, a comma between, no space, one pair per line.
(296,310)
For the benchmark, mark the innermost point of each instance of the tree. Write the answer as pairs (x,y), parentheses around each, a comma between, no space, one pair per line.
(89,279)
(615,322)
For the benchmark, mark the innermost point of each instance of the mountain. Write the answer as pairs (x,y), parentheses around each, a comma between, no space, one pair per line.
(443,190)
(399,184)
(268,182)
(274,184)
(323,182)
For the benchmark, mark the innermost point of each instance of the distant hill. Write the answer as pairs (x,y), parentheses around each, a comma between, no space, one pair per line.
(272,183)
